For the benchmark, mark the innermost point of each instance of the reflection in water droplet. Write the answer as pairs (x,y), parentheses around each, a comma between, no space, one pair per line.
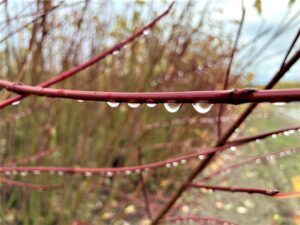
(172,107)
(134,105)
(16,103)
(79,100)
(202,107)
(151,105)
(113,104)
(279,103)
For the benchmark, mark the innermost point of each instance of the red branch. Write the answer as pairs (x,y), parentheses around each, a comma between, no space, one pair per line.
(235,189)
(174,161)
(198,219)
(235,96)
(32,158)
(95,59)
(255,159)
(28,185)
(263,135)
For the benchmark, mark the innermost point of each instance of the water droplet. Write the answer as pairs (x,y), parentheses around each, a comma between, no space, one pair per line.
(151,105)
(137,171)
(134,105)
(202,107)
(127,172)
(175,164)
(183,161)
(60,173)
(88,174)
(113,104)
(201,157)
(109,174)
(274,135)
(146,32)
(7,173)
(24,173)
(16,103)
(168,165)
(233,148)
(116,52)
(241,210)
(36,172)
(258,161)
(279,103)
(172,107)
(80,100)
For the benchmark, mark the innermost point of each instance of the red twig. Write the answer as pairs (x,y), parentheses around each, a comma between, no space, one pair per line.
(255,159)
(144,188)
(35,157)
(263,135)
(28,185)
(198,219)
(235,96)
(102,55)
(175,161)
(235,189)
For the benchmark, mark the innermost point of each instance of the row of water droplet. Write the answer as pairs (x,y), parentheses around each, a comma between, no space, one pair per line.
(170,107)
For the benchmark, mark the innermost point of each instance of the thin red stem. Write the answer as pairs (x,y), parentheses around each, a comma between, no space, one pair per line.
(28,185)
(236,96)
(197,219)
(235,189)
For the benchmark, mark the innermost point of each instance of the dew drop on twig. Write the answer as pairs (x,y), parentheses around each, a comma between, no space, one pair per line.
(146,32)
(134,105)
(151,105)
(116,52)
(113,104)
(15,103)
(202,107)
(88,174)
(279,103)
(172,107)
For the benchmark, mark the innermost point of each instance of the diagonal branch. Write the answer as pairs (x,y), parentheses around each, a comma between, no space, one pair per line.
(95,59)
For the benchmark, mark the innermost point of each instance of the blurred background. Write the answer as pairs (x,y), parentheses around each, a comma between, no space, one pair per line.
(187,50)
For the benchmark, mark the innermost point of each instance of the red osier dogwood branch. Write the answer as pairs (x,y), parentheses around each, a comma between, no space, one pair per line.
(235,96)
